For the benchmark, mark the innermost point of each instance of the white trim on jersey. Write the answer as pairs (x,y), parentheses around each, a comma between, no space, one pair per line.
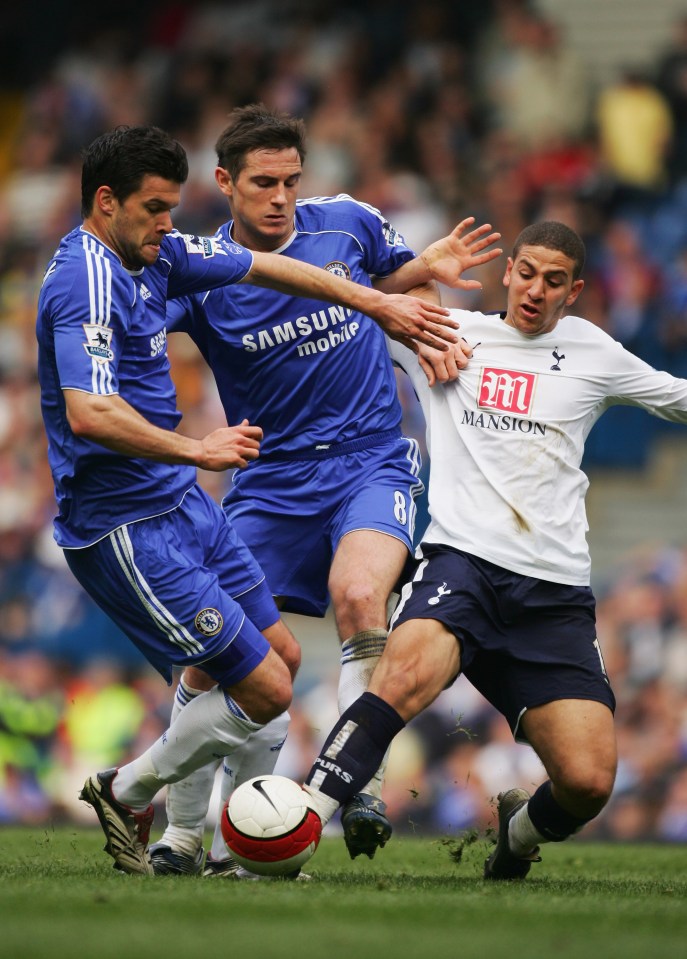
(100,292)
(343,198)
(103,373)
(336,232)
(99,270)
(175,631)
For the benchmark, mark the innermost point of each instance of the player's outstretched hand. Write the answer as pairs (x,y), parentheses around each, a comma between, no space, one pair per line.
(230,447)
(412,321)
(447,259)
(442,366)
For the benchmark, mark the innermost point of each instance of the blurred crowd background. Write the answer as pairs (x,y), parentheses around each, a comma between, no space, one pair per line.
(430,111)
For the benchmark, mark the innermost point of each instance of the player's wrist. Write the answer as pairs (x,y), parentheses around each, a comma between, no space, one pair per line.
(428,258)
(375,303)
(193,453)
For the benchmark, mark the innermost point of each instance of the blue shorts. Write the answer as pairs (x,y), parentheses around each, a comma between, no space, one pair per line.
(524,642)
(293,513)
(184,588)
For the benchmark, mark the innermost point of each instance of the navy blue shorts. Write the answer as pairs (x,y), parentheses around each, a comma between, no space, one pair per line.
(524,641)
(184,589)
(293,513)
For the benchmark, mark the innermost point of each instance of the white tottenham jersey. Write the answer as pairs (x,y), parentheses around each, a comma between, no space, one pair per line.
(506,439)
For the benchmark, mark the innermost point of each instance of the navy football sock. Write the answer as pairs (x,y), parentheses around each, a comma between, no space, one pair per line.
(355,748)
(550,819)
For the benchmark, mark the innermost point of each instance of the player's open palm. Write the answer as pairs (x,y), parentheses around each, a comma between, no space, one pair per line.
(450,257)
(230,447)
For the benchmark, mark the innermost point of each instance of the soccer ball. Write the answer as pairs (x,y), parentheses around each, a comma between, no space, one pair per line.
(268,826)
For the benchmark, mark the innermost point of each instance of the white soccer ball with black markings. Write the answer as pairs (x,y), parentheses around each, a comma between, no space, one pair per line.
(268,826)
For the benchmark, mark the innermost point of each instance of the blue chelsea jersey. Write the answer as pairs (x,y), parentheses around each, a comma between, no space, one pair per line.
(102,329)
(306,371)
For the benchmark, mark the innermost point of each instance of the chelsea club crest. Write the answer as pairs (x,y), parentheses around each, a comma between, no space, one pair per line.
(209,621)
(338,269)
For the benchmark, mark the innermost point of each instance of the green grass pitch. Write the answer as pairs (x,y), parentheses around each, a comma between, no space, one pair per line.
(60,898)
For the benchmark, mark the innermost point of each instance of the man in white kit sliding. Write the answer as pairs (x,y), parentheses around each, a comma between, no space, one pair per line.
(501,589)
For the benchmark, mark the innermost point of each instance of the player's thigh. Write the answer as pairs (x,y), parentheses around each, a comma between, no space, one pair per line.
(421,658)
(153,580)
(365,569)
(575,740)
(382,486)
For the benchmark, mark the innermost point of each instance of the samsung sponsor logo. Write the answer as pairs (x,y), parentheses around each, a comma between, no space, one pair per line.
(305,326)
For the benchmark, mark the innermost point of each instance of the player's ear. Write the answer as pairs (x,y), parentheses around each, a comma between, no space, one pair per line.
(105,200)
(224,181)
(509,270)
(575,291)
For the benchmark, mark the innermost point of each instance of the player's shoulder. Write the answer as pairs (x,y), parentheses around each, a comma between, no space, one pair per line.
(580,330)
(84,263)
(335,212)
(81,248)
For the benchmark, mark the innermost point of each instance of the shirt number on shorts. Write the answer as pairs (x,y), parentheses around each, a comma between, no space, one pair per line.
(400,508)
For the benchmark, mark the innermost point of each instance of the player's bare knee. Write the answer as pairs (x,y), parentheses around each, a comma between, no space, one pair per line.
(588,788)
(196,678)
(278,692)
(292,658)
(271,701)
(285,644)
(279,702)
(358,603)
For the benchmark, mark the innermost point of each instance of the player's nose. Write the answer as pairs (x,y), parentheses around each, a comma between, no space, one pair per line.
(164,223)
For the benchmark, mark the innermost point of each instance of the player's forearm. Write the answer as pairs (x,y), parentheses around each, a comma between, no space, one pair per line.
(412,277)
(111,422)
(405,282)
(297,278)
(400,316)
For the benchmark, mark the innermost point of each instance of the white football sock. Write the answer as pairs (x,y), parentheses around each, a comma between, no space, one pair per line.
(211,726)
(257,757)
(359,656)
(188,800)
(522,836)
(324,806)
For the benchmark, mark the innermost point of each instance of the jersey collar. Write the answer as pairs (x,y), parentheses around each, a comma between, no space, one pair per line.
(279,249)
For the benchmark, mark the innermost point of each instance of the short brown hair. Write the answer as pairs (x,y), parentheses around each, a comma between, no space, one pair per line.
(554,236)
(255,127)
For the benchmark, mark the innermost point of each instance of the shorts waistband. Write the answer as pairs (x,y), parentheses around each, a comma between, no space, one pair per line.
(324,451)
